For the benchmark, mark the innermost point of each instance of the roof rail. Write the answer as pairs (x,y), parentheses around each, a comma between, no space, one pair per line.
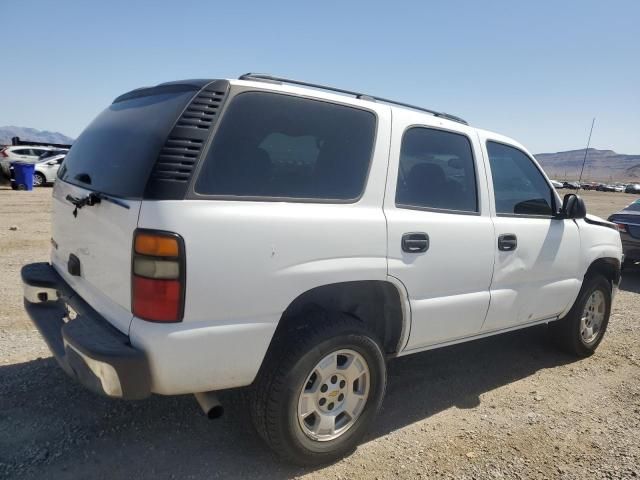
(271,79)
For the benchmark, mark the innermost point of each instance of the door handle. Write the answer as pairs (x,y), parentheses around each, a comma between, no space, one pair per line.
(507,242)
(415,242)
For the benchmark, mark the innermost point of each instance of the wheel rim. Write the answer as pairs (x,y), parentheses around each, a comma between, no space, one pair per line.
(592,317)
(334,395)
(37,180)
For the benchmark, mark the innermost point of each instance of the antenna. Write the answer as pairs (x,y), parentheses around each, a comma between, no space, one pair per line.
(584,161)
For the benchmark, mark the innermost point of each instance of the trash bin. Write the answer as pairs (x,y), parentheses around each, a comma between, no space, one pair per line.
(22,178)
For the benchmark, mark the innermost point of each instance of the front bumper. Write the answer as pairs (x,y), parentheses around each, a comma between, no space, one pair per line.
(87,347)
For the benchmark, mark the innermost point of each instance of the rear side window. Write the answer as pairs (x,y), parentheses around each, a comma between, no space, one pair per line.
(518,185)
(436,171)
(117,151)
(281,146)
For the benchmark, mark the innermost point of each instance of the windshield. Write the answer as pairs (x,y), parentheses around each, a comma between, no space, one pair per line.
(117,151)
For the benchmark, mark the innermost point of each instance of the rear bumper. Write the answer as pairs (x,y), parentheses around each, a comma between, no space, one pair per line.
(87,347)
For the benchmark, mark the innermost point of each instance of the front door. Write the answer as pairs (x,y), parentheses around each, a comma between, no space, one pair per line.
(537,255)
(440,233)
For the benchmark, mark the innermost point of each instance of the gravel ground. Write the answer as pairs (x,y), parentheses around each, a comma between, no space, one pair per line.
(510,406)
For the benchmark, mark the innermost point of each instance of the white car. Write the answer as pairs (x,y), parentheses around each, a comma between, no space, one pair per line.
(21,153)
(295,238)
(46,170)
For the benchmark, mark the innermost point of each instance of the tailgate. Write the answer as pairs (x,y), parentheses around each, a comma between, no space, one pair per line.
(100,236)
(112,159)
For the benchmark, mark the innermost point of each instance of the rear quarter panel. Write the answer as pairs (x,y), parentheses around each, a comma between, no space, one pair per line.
(246,262)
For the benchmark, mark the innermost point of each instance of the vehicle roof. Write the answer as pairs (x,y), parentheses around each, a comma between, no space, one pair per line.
(40,147)
(367,103)
(349,98)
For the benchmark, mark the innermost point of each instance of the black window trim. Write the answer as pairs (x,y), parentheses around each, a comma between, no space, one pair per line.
(477,212)
(554,206)
(235,91)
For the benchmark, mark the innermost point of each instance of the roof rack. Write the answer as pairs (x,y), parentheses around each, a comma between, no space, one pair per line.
(271,79)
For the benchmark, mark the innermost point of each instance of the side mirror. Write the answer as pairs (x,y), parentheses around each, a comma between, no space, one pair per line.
(573,207)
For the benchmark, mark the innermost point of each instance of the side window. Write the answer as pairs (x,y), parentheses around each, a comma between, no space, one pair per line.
(436,170)
(22,151)
(519,187)
(282,146)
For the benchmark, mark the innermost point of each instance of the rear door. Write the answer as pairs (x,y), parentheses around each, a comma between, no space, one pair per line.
(537,254)
(114,157)
(440,234)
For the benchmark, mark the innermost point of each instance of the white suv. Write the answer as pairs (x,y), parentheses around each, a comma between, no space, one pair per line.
(263,232)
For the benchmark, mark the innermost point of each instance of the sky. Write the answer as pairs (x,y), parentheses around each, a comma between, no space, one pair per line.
(537,71)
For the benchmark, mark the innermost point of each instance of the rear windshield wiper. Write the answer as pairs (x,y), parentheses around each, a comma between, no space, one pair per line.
(92,199)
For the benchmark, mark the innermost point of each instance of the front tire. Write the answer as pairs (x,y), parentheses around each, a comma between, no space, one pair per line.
(39,179)
(582,330)
(319,389)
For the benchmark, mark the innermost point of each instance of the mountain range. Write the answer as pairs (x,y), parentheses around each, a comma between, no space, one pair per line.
(601,165)
(31,134)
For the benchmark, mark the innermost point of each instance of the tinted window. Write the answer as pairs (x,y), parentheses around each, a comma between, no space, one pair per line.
(22,151)
(518,185)
(51,153)
(116,152)
(436,171)
(271,145)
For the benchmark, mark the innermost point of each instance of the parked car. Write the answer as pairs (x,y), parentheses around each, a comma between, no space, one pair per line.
(628,222)
(21,153)
(632,188)
(556,184)
(267,234)
(46,170)
(571,185)
(619,188)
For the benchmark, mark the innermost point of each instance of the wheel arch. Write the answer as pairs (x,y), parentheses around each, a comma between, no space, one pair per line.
(377,303)
(608,267)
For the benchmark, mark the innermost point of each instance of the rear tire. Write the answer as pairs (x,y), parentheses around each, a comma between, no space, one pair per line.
(319,389)
(583,328)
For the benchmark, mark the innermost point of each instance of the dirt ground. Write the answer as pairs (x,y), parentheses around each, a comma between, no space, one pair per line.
(509,406)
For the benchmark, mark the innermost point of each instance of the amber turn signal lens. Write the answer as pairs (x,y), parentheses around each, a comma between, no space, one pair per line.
(156,245)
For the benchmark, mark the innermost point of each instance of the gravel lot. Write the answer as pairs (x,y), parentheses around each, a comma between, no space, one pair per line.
(510,406)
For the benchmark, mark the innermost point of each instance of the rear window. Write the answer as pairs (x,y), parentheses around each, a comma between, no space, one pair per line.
(280,146)
(117,151)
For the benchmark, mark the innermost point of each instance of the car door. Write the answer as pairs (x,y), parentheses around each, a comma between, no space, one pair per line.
(35,154)
(440,234)
(537,253)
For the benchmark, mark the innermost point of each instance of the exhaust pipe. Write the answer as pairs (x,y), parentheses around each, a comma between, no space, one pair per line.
(210,404)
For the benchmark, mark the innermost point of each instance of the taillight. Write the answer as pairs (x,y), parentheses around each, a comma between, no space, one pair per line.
(158,276)
(621,227)
(3,152)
